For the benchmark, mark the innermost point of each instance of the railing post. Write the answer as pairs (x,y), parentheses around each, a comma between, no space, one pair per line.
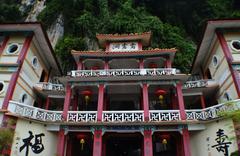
(145,101)
(181,101)
(100,102)
(67,102)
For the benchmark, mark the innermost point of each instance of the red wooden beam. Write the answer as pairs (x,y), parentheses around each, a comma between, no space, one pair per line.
(97,143)
(203,102)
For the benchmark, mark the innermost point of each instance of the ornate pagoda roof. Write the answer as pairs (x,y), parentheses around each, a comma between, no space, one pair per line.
(144,37)
(126,54)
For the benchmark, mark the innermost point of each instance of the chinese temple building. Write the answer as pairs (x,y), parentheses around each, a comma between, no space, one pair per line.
(124,100)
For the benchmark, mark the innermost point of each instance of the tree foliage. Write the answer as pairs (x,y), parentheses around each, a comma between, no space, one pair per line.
(174,23)
(9,11)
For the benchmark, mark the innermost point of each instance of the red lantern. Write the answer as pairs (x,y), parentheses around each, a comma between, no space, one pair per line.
(86,94)
(160,93)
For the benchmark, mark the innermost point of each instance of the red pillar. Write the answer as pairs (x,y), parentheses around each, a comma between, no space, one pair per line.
(203,102)
(67,101)
(47,103)
(148,149)
(100,102)
(61,143)
(15,75)
(145,102)
(181,101)
(97,143)
(168,63)
(79,64)
(69,146)
(106,65)
(141,64)
(186,142)
(75,102)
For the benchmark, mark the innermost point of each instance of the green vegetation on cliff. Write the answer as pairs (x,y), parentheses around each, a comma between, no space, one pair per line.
(174,23)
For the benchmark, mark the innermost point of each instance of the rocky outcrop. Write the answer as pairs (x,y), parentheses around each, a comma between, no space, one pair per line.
(56,30)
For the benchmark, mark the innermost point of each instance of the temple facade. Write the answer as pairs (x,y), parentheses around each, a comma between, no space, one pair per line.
(125,99)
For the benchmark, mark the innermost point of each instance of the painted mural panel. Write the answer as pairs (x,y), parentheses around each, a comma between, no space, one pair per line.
(32,139)
(218,139)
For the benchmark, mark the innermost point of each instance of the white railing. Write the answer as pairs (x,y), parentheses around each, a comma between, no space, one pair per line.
(82,116)
(213,112)
(198,84)
(209,113)
(49,86)
(123,72)
(164,115)
(122,116)
(24,110)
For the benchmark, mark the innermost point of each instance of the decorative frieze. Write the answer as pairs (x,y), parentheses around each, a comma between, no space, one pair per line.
(123,72)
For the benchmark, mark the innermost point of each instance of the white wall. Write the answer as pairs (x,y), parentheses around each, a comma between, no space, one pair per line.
(22,131)
(202,141)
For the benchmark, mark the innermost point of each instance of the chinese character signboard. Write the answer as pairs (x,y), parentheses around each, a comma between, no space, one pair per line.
(124,46)
(222,142)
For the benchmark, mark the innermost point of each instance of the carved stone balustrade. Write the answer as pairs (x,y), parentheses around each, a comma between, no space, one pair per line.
(164,115)
(49,86)
(122,72)
(82,116)
(123,116)
(31,112)
(210,113)
(198,84)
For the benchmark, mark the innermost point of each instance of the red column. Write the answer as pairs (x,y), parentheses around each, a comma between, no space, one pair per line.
(75,102)
(79,64)
(47,103)
(106,65)
(67,101)
(141,64)
(100,102)
(181,101)
(15,75)
(69,146)
(186,142)
(145,102)
(61,143)
(148,149)
(203,102)
(97,143)
(168,63)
